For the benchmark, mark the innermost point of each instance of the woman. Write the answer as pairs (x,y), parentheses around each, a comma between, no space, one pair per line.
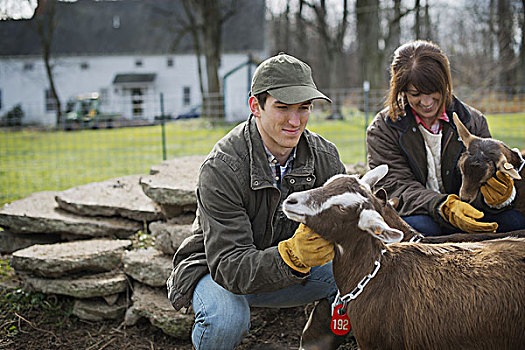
(416,137)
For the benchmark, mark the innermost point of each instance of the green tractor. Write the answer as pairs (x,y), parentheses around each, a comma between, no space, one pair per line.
(83,112)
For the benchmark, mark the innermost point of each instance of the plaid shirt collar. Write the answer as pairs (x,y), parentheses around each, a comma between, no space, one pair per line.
(277,170)
(436,127)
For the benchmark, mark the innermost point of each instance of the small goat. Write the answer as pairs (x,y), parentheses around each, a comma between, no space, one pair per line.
(424,296)
(480,161)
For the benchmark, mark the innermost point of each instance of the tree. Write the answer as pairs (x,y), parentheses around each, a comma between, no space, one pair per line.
(505,42)
(46,20)
(207,19)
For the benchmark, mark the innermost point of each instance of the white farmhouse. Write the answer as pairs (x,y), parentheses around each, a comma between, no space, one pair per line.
(130,53)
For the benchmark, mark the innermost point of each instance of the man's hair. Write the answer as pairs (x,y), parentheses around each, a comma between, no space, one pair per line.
(262,99)
(422,64)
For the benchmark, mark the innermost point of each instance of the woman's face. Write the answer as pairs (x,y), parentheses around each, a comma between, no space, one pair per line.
(427,107)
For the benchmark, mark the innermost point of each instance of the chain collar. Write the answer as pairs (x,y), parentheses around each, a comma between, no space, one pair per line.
(416,238)
(521,158)
(359,288)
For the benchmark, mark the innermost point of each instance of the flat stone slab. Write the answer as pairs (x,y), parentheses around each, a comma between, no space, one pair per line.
(173,182)
(11,242)
(169,235)
(60,259)
(153,304)
(91,286)
(148,266)
(98,310)
(39,213)
(122,196)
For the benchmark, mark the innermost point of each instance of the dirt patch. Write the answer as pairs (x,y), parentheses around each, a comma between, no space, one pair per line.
(48,324)
(34,321)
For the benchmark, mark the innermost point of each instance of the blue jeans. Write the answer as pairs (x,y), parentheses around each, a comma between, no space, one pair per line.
(508,220)
(222,319)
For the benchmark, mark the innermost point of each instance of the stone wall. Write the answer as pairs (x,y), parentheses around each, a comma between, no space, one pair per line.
(79,242)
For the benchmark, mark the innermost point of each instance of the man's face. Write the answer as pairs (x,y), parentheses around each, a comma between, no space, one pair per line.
(279,124)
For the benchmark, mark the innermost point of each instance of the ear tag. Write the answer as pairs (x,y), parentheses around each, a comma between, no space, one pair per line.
(340,322)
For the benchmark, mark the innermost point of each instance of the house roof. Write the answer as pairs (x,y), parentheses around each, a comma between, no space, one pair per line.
(90,27)
(134,78)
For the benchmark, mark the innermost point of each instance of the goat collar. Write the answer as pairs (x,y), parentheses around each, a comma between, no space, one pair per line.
(360,286)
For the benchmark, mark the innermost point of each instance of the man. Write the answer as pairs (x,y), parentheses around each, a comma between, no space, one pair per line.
(244,251)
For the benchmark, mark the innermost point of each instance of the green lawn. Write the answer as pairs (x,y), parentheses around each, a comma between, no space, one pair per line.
(32,161)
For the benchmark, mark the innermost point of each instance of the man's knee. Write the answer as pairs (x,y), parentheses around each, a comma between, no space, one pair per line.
(223,329)
(222,319)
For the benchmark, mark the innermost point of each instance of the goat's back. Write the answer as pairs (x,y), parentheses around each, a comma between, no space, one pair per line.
(445,296)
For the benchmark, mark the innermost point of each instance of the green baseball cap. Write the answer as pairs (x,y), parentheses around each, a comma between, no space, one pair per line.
(287,79)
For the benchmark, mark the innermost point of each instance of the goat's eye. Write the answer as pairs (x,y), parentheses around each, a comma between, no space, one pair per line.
(341,208)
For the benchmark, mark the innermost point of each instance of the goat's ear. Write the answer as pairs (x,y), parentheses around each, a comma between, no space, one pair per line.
(373,223)
(463,132)
(374,175)
(381,195)
(505,167)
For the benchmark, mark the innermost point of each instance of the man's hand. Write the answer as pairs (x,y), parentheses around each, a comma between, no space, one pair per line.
(498,189)
(464,216)
(305,249)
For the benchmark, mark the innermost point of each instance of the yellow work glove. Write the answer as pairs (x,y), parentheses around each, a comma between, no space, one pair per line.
(463,216)
(305,249)
(497,189)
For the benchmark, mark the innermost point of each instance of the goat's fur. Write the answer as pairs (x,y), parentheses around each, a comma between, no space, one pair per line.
(480,161)
(387,209)
(424,296)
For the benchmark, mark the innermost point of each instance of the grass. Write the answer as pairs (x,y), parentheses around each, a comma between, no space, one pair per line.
(33,161)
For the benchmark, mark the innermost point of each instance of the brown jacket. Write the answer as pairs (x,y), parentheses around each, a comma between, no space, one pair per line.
(400,145)
(240,220)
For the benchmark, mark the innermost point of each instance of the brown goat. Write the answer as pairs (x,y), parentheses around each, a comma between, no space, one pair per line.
(424,296)
(480,161)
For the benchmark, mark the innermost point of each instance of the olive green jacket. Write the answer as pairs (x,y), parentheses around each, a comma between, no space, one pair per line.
(239,218)
(401,146)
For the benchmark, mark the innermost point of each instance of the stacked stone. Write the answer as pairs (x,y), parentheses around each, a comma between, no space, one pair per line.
(76,243)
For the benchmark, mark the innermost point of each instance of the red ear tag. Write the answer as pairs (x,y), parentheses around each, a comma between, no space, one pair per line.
(340,323)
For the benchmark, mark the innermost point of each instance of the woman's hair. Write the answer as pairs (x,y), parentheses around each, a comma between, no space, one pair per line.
(422,64)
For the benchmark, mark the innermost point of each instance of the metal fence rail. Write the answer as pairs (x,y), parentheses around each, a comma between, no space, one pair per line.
(34,159)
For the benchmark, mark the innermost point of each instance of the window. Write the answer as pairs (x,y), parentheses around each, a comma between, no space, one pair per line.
(116,22)
(169,62)
(186,99)
(28,66)
(84,65)
(138,62)
(50,101)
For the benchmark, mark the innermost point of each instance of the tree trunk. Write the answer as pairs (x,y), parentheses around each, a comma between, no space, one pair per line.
(46,21)
(505,35)
(367,12)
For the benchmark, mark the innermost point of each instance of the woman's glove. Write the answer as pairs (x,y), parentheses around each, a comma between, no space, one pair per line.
(463,216)
(498,189)
(305,249)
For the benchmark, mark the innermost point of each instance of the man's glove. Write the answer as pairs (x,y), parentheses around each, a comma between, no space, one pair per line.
(498,189)
(463,216)
(305,249)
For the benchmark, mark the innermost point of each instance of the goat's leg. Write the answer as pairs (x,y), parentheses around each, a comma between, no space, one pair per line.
(317,334)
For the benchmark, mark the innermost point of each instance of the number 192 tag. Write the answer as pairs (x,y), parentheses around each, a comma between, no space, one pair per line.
(340,323)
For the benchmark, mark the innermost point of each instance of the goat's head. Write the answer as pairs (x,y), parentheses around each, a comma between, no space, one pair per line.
(343,204)
(481,159)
